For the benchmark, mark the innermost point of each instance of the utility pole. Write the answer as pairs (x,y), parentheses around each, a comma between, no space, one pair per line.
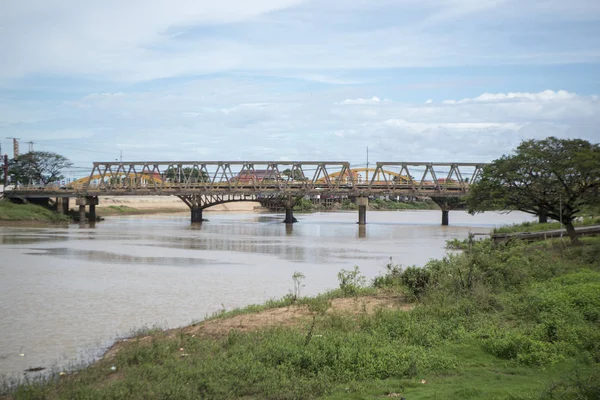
(15,146)
(5,167)
(367,164)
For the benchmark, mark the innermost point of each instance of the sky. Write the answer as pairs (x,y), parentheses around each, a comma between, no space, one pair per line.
(198,80)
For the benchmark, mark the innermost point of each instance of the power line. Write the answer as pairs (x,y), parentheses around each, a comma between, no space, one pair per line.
(75,148)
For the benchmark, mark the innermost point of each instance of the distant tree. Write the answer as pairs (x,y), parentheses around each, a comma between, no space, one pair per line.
(296,175)
(549,178)
(186,174)
(38,167)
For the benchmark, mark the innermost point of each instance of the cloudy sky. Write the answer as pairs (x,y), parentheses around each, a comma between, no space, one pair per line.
(426,80)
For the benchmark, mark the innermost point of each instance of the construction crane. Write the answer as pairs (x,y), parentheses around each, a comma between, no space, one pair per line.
(15,146)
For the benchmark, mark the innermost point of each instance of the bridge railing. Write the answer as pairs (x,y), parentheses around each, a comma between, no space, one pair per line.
(215,175)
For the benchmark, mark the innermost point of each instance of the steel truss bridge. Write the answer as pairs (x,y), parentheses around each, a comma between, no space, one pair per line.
(201,184)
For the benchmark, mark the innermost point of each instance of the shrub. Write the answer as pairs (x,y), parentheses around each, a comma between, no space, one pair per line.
(351,281)
(522,349)
(416,280)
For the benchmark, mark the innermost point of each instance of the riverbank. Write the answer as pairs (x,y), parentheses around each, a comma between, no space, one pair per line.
(29,212)
(519,321)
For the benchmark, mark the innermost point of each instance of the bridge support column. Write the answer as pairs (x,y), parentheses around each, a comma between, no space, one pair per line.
(446,204)
(91,201)
(196,214)
(362,202)
(445,218)
(92,213)
(65,205)
(59,205)
(81,213)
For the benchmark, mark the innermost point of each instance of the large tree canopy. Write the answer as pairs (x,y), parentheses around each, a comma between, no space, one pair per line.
(38,167)
(550,178)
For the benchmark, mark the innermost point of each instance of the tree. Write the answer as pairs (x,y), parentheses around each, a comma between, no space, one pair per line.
(38,167)
(187,174)
(296,175)
(549,178)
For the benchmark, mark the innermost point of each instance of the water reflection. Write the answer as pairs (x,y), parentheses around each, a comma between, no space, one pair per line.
(26,239)
(362,231)
(116,258)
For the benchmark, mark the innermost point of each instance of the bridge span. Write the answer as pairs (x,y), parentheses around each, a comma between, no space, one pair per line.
(201,184)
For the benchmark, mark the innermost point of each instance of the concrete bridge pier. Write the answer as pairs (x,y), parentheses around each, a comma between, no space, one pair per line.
(362,202)
(196,214)
(92,213)
(446,204)
(65,205)
(445,217)
(90,201)
(62,205)
(82,213)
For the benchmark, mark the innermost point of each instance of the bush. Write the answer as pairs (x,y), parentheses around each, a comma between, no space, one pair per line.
(522,349)
(351,282)
(416,280)
(390,278)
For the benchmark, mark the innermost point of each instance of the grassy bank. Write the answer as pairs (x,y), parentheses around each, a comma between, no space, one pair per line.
(28,212)
(537,227)
(520,321)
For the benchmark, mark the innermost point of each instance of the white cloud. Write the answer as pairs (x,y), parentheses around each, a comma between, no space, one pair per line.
(372,100)
(545,96)
(142,40)
(237,119)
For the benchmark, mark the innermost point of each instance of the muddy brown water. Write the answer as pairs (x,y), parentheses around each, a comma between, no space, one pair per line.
(67,292)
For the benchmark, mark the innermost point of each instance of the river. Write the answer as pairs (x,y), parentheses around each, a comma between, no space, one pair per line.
(67,292)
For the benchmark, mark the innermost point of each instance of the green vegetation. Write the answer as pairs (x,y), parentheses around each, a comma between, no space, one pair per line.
(304,205)
(515,321)
(551,178)
(10,211)
(378,204)
(537,227)
(38,167)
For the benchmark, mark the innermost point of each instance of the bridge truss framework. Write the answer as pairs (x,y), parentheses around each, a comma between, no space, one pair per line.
(201,184)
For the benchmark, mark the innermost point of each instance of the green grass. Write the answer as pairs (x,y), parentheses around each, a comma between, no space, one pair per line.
(516,321)
(304,205)
(537,227)
(378,204)
(28,212)
(386,205)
